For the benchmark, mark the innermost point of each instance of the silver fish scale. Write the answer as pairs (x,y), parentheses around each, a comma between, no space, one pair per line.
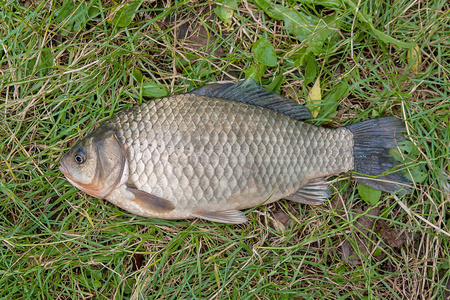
(212,154)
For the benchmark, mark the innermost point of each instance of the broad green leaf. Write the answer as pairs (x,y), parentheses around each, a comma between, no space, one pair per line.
(94,12)
(362,17)
(377,252)
(45,60)
(314,97)
(255,72)
(138,75)
(444,265)
(225,10)
(407,148)
(310,69)
(388,39)
(415,174)
(153,89)
(410,153)
(331,101)
(370,195)
(128,286)
(124,13)
(44,63)
(324,3)
(303,27)
(300,57)
(264,52)
(276,83)
(72,17)
(341,269)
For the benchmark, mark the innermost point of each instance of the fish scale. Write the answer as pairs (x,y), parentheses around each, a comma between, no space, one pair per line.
(222,148)
(179,148)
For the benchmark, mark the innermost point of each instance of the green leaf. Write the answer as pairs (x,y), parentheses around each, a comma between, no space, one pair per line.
(331,101)
(45,60)
(388,39)
(410,153)
(72,17)
(128,286)
(276,83)
(265,53)
(44,63)
(94,12)
(406,147)
(256,72)
(303,26)
(324,3)
(138,75)
(367,20)
(153,89)
(124,13)
(370,195)
(378,252)
(306,28)
(416,175)
(225,10)
(310,69)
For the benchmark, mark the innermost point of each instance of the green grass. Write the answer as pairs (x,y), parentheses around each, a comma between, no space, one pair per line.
(66,67)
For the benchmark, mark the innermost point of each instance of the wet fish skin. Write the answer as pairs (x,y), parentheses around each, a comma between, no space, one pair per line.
(183,156)
(191,155)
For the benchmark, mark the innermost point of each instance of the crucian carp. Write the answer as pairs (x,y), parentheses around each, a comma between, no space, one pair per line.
(222,148)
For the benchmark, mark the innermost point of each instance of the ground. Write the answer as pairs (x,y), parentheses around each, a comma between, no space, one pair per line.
(65,66)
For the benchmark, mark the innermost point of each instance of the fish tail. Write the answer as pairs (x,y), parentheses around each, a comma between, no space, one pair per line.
(372,141)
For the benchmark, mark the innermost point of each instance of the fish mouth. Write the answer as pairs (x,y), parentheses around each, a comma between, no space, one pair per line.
(64,170)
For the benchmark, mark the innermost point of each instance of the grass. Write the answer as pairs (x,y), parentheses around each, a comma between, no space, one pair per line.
(66,66)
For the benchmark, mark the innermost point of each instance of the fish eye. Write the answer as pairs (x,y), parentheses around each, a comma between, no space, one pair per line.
(80,157)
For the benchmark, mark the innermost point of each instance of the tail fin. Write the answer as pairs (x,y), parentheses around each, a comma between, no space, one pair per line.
(372,141)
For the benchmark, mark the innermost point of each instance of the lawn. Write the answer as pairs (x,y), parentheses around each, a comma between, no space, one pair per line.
(66,66)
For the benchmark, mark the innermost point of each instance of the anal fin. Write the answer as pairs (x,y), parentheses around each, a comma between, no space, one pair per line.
(149,201)
(231,216)
(313,192)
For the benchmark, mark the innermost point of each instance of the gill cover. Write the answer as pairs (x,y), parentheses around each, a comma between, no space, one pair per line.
(102,165)
(111,161)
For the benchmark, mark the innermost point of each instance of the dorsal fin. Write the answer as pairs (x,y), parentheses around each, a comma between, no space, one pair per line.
(248,91)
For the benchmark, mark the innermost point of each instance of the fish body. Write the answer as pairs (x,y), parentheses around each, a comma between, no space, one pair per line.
(215,151)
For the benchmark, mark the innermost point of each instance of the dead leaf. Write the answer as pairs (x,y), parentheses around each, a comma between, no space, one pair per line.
(280,221)
(314,98)
(366,223)
(195,36)
(281,217)
(349,254)
(138,261)
(371,235)
(414,58)
(389,235)
(366,240)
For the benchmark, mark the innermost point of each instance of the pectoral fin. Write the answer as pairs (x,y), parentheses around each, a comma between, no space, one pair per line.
(150,202)
(313,192)
(232,216)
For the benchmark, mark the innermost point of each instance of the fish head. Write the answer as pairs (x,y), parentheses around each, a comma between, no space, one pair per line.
(95,164)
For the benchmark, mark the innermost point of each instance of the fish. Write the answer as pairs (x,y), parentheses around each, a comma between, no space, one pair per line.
(223,148)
